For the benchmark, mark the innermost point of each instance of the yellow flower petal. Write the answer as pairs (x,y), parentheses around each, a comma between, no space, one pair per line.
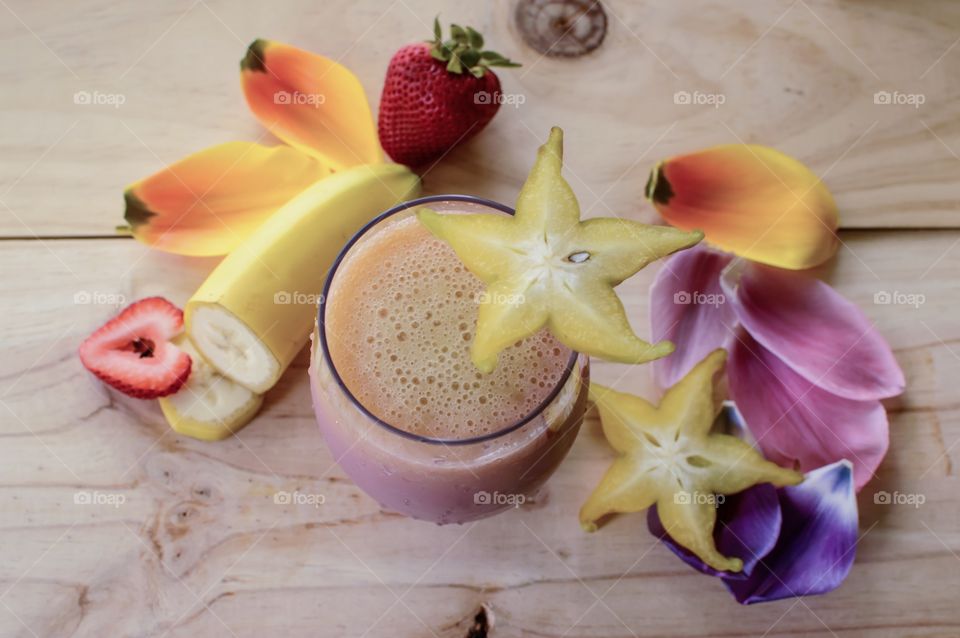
(750,200)
(311,103)
(210,201)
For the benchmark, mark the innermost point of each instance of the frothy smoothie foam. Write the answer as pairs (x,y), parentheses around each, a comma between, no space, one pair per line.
(399,330)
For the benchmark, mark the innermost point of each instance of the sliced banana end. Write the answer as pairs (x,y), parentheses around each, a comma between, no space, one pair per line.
(233,348)
(209,406)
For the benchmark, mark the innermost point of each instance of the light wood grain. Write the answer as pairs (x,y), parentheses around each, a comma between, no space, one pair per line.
(199,548)
(796,74)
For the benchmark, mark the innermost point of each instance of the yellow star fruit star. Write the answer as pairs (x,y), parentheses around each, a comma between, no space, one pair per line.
(545,267)
(669,458)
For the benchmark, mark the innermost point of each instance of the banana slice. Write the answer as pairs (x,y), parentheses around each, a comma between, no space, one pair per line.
(234,348)
(255,311)
(209,406)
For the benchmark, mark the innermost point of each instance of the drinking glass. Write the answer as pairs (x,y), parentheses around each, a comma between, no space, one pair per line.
(434,479)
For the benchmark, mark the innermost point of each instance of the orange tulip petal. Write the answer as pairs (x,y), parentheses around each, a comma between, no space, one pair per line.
(210,201)
(750,200)
(311,103)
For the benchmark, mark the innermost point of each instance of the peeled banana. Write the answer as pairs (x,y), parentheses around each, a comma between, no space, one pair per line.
(255,311)
(209,406)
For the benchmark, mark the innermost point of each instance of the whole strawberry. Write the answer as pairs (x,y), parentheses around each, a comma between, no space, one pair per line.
(438,94)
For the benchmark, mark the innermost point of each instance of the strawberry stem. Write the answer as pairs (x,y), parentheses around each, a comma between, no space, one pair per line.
(464,51)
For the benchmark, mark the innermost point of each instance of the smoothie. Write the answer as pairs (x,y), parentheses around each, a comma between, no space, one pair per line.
(398,399)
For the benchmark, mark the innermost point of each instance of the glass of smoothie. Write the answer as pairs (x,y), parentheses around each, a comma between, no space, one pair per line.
(398,400)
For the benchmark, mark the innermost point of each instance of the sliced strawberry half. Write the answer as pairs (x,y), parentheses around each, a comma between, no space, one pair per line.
(132,352)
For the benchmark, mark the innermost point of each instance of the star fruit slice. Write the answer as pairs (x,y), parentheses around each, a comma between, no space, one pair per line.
(545,267)
(668,457)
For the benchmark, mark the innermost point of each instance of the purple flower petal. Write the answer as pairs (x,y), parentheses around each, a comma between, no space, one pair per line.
(748,525)
(793,420)
(817,541)
(823,337)
(688,307)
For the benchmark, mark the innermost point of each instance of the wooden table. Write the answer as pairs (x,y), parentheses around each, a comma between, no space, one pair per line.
(196,545)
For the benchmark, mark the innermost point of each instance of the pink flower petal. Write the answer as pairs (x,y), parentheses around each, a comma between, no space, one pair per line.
(825,338)
(796,421)
(688,307)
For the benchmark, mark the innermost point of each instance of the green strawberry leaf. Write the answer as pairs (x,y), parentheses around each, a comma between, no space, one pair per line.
(470,58)
(464,50)
(454,65)
(458,34)
(475,39)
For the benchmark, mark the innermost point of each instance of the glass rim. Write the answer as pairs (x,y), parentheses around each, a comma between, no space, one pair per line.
(322,331)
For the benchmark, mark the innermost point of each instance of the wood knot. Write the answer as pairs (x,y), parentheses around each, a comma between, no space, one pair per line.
(561,28)
(482,623)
